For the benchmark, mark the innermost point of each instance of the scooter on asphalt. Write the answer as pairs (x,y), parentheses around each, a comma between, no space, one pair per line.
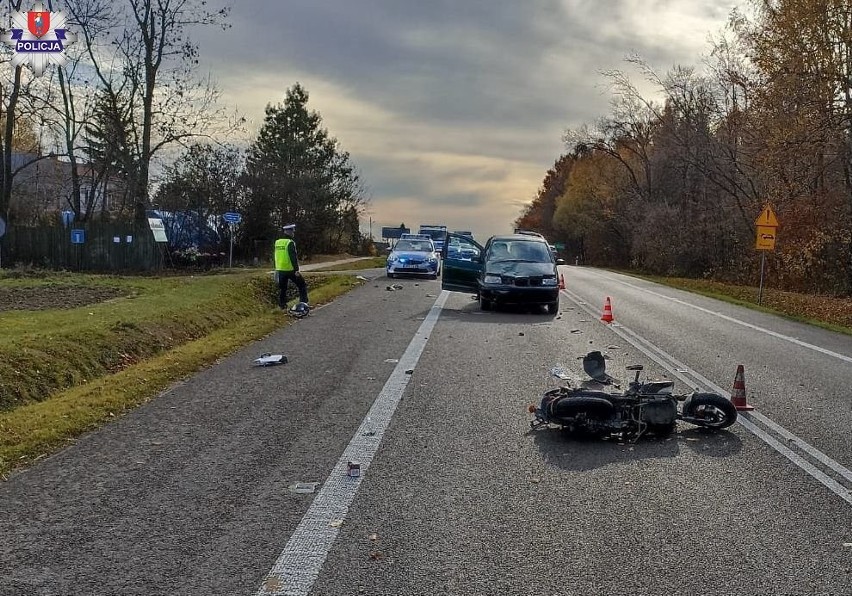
(651,407)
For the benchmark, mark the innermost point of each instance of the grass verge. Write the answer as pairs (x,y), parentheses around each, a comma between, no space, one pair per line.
(370,263)
(36,428)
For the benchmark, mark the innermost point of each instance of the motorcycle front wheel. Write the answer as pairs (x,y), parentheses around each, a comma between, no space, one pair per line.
(710,410)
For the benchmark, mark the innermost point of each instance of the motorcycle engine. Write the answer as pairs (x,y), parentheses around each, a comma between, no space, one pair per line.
(659,412)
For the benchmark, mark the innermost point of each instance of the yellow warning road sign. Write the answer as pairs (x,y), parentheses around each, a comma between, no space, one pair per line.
(766,224)
(767,218)
(765,238)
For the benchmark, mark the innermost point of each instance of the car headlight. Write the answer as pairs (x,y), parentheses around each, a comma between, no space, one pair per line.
(392,259)
(548,281)
(433,259)
(492,279)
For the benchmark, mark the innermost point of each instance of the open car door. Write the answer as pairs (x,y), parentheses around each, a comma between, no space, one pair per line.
(461,264)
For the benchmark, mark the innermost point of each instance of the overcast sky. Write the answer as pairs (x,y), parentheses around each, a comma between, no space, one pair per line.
(452,110)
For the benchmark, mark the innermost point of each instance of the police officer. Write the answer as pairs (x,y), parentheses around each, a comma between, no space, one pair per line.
(287,267)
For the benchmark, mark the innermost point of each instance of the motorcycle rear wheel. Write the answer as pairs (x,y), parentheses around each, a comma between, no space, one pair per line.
(710,410)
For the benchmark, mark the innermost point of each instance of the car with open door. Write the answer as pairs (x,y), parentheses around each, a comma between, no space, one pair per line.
(510,269)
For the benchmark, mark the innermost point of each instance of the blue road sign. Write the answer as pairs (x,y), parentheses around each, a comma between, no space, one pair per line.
(78,236)
(231,217)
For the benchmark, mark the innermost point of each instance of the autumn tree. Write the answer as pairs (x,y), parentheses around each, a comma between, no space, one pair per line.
(538,215)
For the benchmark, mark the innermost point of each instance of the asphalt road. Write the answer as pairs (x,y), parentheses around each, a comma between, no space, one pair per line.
(189,494)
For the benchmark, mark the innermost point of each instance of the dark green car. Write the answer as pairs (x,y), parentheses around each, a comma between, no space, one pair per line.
(511,269)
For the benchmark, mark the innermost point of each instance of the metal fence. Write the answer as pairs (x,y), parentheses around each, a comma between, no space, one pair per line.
(82,247)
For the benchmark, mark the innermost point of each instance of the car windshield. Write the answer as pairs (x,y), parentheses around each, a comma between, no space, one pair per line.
(519,250)
(414,245)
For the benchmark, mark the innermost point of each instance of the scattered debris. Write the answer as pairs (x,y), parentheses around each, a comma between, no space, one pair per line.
(353,469)
(336,523)
(273,584)
(270,359)
(361,278)
(373,536)
(576,331)
(429,296)
(474,297)
(682,370)
(535,480)
(369,433)
(376,555)
(521,334)
(303,487)
(392,360)
(371,378)
(585,321)
(613,347)
(395,287)
(410,371)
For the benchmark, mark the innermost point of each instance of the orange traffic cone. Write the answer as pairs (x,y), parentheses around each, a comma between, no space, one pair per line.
(561,282)
(607,313)
(738,395)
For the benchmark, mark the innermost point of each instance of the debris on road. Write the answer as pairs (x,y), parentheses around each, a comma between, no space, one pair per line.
(392,360)
(521,334)
(410,371)
(353,469)
(303,487)
(395,287)
(336,523)
(576,331)
(613,347)
(361,278)
(270,359)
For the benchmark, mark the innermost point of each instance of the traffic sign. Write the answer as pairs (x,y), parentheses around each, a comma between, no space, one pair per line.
(765,238)
(767,218)
(232,217)
(2,227)
(78,236)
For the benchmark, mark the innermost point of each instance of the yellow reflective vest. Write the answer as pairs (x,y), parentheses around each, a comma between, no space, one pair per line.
(283,262)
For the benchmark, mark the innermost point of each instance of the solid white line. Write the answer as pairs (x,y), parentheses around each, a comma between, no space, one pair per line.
(299,564)
(737,321)
(744,418)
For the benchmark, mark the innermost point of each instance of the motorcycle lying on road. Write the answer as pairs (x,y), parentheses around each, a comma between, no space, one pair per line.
(644,407)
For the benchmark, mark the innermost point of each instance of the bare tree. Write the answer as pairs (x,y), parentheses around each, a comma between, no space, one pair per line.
(148,68)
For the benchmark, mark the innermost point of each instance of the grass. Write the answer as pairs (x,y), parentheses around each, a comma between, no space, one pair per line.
(369,263)
(66,372)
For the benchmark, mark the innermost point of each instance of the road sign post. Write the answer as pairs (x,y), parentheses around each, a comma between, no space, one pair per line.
(766,224)
(232,218)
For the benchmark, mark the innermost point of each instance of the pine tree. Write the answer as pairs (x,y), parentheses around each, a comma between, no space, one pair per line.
(295,173)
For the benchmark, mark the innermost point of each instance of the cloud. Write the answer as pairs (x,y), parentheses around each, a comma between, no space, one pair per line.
(453,111)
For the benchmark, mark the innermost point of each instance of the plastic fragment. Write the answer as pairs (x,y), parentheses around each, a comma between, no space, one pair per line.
(303,487)
(268,359)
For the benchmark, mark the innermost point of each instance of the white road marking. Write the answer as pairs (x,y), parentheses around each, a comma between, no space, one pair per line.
(299,564)
(671,364)
(793,340)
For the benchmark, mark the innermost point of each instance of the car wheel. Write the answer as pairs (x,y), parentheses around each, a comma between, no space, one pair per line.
(433,276)
(390,275)
(485,304)
(553,307)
